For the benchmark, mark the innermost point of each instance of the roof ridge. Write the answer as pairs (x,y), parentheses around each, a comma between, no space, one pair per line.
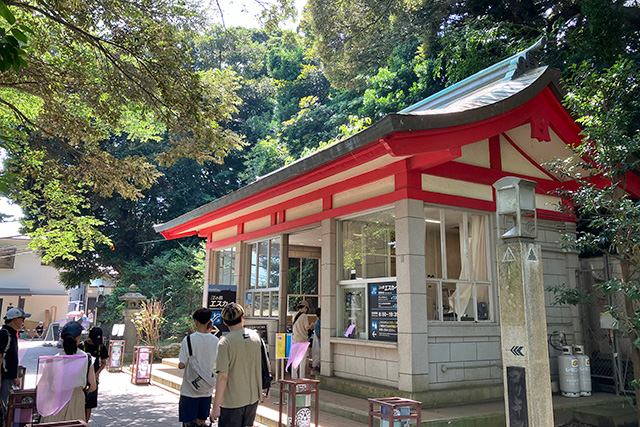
(507,69)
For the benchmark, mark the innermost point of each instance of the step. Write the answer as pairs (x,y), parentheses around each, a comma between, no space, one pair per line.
(340,408)
(611,415)
(171,361)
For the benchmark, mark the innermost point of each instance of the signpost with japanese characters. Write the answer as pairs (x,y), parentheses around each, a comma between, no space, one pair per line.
(218,296)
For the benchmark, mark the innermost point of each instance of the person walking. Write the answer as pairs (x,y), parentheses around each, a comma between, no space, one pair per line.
(301,327)
(84,380)
(96,348)
(239,366)
(13,322)
(197,356)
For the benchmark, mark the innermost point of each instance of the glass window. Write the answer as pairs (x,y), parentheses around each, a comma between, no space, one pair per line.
(457,265)
(369,246)
(226,266)
(261,296)
(302,281)
(7,257)
(353,317)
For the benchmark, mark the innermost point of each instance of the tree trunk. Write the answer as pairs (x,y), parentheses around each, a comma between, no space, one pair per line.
(635,351)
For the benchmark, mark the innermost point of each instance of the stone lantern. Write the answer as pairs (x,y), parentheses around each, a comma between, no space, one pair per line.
(132,300)
(523,326)
(516,208)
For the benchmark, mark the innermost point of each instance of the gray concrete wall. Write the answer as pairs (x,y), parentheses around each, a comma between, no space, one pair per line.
(464,353)
(366,361)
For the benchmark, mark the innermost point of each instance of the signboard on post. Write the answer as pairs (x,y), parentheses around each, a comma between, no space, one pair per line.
(383,311)
(141,367)
(116,354)
(218,296)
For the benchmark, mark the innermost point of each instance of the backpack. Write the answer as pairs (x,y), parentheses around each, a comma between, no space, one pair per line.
(266,373)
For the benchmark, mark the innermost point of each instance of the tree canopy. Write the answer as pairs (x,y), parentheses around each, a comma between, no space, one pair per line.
(91,71)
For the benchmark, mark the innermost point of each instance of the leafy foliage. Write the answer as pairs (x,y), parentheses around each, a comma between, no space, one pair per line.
(97,70)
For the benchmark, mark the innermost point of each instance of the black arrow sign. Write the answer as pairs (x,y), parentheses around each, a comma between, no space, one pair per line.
(517,350)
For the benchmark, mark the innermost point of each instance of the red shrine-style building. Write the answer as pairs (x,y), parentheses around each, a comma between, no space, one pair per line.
(392,232)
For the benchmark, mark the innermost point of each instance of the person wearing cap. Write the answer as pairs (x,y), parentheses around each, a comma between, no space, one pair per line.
(84,380)
(198,353)
(13,322)
(40,329)
(239,366)
(301,327)
(96,348)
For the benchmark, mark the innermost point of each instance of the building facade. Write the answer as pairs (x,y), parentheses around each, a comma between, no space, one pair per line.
(27,283)
(393,233)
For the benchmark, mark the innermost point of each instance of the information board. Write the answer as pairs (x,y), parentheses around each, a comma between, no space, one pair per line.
(383,311)
(218,296)
(283,344)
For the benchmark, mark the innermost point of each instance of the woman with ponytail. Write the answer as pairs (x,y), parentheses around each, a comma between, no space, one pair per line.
(80,380)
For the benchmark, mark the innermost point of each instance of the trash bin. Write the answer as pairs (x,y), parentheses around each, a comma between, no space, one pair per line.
(298,394)
(395,411)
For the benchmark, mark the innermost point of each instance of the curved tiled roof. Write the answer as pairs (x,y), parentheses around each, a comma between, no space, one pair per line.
(488,93)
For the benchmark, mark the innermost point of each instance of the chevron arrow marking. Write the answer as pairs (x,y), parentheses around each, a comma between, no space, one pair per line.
(517,350)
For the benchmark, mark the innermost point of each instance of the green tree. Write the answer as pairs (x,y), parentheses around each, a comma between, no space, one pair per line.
(608,105)
(97,69)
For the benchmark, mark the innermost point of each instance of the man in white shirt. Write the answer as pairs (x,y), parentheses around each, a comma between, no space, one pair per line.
(198,357)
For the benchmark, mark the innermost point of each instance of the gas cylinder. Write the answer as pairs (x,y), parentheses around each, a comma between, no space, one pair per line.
(569,373)
(584,369)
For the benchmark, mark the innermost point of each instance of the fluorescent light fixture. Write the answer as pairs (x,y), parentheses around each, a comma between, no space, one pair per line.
(432,221)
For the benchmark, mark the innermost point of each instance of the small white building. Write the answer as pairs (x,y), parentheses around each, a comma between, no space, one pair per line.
(27,283)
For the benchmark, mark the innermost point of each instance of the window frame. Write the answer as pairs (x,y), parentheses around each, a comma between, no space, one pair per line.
(253,293)
(8,257)
(439,281)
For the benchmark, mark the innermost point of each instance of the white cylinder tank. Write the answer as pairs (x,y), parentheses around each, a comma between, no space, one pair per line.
(568,370)
(584,368)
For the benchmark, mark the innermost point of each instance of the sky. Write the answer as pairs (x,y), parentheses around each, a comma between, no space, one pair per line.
(242,13)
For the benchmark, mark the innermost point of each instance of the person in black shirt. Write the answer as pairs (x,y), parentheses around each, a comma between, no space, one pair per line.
(96,348)
(13,321)
(40,329)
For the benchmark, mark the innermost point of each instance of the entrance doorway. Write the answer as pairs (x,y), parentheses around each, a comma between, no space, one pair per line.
(303,276)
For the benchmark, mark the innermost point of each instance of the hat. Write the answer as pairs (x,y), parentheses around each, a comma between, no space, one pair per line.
(14,313)
(304,303)
(95,334)
(74,329)
(232,312)
(41,322)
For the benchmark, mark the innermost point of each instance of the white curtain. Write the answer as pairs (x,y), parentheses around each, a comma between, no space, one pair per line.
(477,266)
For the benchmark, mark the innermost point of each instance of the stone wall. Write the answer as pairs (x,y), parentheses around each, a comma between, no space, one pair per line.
(468,354)
(366,361)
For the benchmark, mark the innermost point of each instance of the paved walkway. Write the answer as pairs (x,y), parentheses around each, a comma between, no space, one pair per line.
(121,403)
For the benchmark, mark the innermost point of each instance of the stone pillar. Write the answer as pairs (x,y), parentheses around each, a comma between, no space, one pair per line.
(241,270)
(523,325)
(413,365)
(211,261)
(328,290)
(284,283)
(132,300)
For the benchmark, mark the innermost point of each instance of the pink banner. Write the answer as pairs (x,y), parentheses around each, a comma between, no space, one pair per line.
(58,378)
(297,354)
